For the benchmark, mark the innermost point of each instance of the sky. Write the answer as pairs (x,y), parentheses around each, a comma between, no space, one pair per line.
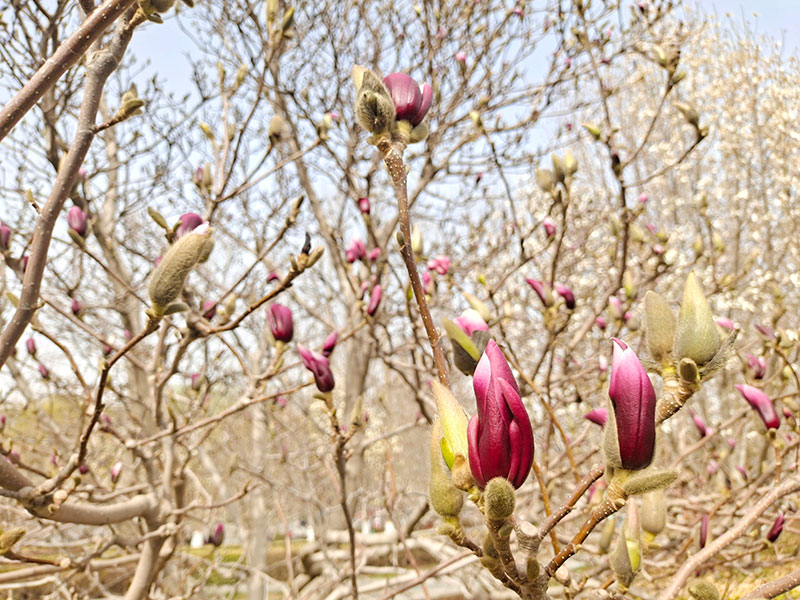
(168,46)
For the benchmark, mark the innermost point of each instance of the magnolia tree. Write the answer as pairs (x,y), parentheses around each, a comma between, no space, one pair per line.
(464,299)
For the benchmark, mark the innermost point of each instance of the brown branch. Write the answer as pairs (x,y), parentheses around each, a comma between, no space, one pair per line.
(67,54)
(775,588)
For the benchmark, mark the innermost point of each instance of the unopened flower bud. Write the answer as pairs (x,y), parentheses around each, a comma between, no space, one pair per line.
(374,300)
(446,499)
(30,346)
(762,403)
(319,366)
(777,528)
(188,222)
(542,290)
(116,470)
(697,336)
(76,307)
(700,589)
(330,343)
(499,499)
(598,416)
(5,236)
(549,226)
(76,219)
(280,322)
(411,100)
(363,205)
(567,294)
(654,512)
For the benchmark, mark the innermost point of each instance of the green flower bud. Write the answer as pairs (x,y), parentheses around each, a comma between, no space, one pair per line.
(446,499)
(545,180)
(559,170)
(453,419)
(9,538)
(697,337)
(654,512)
(700,589)
(607,534)
(659,324)
(499,499)
(643,482)
(570,164)
(419,133)
(169,276)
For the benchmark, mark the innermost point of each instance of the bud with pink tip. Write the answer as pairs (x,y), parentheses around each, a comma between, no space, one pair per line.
(461,57)
(468,335)
(643,198)
(427,282)
(766,331)
(725,323)
(440,264)
(777,528)
(107,350)
(374,254)
(30,346)
(566,293)
(43,372)
(25,263)
(280,402)
(5,236)
(374,300)
(273,276)
(188,222)
(330,343)
(411,100)
(542,290)
(76,307)
(356,251)
(280,322)
(209,309)
(116,470)
(762,403)
(500,438)
(320,366)
(601,323)
(549,227)
(703,530)
(632,431)
(76,219)
(83,469)
(702,429)
(363,205)
(599,416)
(217,536)
(758,365)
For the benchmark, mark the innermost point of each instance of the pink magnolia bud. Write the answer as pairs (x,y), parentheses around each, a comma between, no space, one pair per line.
(43,371)
(76,307)
(566,294)
(725,323)
(658,249)
(2,422)
(518,11)
(333,115)
(731,443)
(742,471)
(25,263)
(363,205)
(440,264)
(280,402)
(320,366)
(374,254)
(427,282)
(500,438)
(30,346)
(188,222)
(330,343)
(643,198)
(5,236)
(777,528)
(116,470)
(83,469)
(767,332)
(634,401)
(549,227)
(703,530)
(699,423)
(76,219)
(762,403)
(599,416)
(461,57)
(615,307)
(600,322)
(280,322)
(542,290)
(712,467)
(411,100)
(602,363)
(197,381)
(374,300)
(758,365)
(14,457)
(217,536)
(788,413)
(107,350)
(209,309)
(273,276)
(471,321)
(197,178)
(356,251)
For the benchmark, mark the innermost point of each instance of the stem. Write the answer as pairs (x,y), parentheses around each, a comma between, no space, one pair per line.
(393,158)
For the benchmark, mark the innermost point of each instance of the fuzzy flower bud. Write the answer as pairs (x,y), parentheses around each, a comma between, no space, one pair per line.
(697,337)
(169,276)
(411,100)
(500,435)
(659,326)
(499,499)
(374,109)
(762,403)
(446,499)
(280,322)
(654,512)
(598,416)
(320,366)
(631,434)
(76,219)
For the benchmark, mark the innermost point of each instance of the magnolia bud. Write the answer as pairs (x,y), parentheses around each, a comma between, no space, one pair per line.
(659,324)
(453,424)
(169,276)
(499,499)
(654,512)
(703,590)
(446,499)
(697,337)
